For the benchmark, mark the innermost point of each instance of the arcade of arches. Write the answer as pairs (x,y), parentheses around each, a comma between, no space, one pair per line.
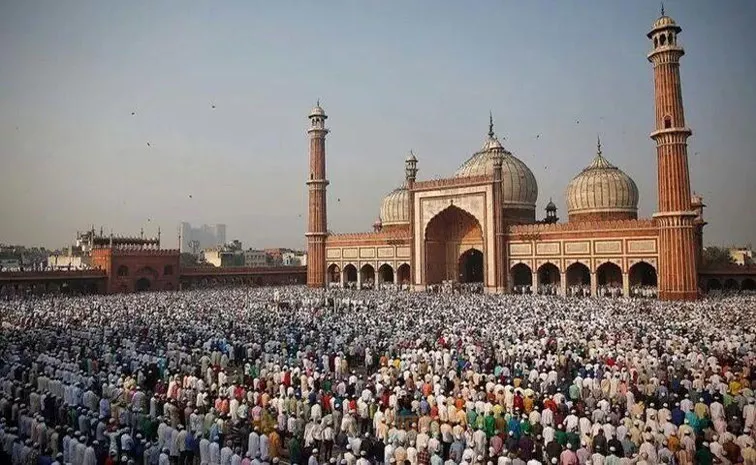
(729,285)
(453,245)
(579,279)
(367,276)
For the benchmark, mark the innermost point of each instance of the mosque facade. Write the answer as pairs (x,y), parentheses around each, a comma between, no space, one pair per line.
(480,225)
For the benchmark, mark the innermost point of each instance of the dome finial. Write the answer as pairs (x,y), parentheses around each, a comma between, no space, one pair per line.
(317,103)
(490,124)
(598,144)
(662,8)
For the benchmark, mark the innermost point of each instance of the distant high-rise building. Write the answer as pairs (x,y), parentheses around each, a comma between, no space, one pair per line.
(195,240)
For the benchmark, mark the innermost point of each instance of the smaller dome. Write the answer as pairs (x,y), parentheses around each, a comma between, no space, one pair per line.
(411,156)
(317,110)
(602,188)
(551,206)
(395,207)
(664,21)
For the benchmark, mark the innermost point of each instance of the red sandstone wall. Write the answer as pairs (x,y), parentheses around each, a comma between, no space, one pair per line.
(603,216)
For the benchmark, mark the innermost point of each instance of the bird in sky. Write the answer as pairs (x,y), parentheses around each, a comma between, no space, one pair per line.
(148,144)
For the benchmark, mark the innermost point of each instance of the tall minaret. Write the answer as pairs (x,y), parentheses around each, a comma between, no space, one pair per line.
(317,222)
(677,272)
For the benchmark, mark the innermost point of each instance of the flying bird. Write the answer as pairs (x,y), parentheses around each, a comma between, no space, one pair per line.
(190,196)
(338,200)
(538,136)
(213,105)
(133,113)
(148,144)
(578,121)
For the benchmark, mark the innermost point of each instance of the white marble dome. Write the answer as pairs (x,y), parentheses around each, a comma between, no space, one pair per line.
(602,188)
(395,207)
(519,186)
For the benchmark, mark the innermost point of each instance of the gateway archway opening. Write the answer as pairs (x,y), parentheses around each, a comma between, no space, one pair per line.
(522,279)
(450,232)
(386,274)
(334,274)
(549,279)
(643,280)
(578,280)
(403,274)
(350,274)
(471,267)
(609,278)
(367,277)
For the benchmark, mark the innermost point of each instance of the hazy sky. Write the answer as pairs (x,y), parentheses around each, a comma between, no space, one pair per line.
(392,75)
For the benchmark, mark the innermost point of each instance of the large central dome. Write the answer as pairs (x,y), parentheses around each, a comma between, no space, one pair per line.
(518,185)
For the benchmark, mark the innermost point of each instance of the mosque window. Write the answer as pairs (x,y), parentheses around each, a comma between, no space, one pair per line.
(662,39)
(123,270)
(656,42)
(168,270)
(667,122)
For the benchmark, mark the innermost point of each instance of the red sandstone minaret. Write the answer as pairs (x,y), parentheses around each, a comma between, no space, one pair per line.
(317,222)
(675,218)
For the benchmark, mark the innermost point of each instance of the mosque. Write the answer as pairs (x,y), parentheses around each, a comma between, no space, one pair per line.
(480,225)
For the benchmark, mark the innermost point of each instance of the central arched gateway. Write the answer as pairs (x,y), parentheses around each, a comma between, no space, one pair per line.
(447,235)
(471,266)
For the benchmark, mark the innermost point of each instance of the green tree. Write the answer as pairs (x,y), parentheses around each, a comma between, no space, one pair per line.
(188,259)
(717,256)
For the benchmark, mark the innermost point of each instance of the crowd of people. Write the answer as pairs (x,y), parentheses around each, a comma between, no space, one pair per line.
(264,376)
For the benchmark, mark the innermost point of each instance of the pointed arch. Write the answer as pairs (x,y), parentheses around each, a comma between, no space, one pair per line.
(522,275)
(549,278)
(334,273)
(367,275)
(386,273)
(643,274)
(609,274)
(403,274)
(350,273)
(578,273)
